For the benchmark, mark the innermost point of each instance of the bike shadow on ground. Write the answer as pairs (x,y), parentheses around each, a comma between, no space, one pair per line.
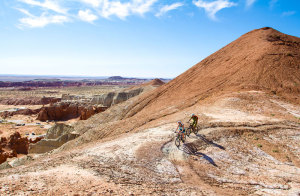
(191,149)
(203,138)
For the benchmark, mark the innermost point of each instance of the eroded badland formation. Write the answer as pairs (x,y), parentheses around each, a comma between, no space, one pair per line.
(246,95)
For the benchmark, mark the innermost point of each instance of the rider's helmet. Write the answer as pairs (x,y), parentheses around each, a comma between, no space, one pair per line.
(179,122)
(193,115)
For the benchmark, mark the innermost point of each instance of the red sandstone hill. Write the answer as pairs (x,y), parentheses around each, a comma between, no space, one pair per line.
(154,82)
(263,59)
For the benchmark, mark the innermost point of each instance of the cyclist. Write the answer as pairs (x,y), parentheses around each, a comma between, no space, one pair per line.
(195,121)
(181,128)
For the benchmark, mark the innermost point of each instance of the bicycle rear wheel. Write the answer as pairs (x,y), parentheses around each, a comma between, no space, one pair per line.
(183,138)
(196,130)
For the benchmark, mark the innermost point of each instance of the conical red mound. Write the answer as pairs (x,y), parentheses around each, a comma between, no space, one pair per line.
(263,59)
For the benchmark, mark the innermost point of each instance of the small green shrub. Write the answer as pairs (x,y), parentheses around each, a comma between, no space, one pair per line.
(275,151)
(259,145)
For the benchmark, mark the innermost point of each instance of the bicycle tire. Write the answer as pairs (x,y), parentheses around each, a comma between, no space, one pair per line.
(196,130)
(188,132)
(183,138)
(177,141)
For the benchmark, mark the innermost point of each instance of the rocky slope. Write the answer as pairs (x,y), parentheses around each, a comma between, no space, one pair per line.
(247,143)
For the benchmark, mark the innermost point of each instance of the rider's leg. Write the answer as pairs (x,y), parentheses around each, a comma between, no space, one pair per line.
(194,125)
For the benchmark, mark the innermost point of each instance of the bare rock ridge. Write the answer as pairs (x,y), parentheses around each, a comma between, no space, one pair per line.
(263,59)
(115,98)
(56,136)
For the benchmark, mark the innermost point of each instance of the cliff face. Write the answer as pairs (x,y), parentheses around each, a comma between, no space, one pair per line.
(115,98)
(68,110)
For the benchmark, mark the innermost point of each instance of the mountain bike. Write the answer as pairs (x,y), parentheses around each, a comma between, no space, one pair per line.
(192,129)
(180,138)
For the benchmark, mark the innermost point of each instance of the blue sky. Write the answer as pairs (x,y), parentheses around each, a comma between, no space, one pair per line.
(140,38)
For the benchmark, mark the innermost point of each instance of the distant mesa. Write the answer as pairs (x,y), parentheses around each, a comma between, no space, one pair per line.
(116,78)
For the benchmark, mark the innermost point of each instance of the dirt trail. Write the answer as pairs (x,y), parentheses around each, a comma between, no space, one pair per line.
(221,157)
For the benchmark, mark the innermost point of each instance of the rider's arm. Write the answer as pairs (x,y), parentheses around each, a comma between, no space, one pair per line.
(176,129)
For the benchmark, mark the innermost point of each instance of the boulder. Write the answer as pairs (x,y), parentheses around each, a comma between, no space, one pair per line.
(5,165)
(12,146)
(56,136)
(18,144)
(20,161)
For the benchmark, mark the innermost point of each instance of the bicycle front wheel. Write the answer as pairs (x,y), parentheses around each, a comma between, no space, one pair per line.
(188,132)
(177,141)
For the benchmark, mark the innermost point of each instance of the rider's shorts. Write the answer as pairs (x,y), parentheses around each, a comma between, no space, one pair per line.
(181,130)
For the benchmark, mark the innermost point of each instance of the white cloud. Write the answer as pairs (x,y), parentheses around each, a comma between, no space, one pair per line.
(103,8)
(41,21)
(289,13)
(117,8)
(168,8)
(249,3)
(47,4)
(26,12)
(87,15)
(94,3)
(59,11)
(122,10)
(211,8)
(142,6)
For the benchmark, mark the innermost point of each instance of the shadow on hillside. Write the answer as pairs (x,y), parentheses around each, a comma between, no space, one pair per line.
(202,137)
(191,149)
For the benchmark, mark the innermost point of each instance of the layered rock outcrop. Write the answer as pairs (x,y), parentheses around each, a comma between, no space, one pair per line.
(68,110)
(113,98)
(6,114)
(55,137)
(29,101)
